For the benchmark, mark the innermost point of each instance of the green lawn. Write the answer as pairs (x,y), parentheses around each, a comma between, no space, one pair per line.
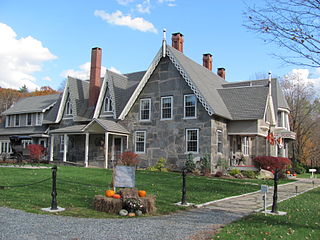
(77,198)
(308,175)
(301,222)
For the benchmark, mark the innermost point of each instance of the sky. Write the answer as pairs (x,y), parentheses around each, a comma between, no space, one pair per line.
(43,42)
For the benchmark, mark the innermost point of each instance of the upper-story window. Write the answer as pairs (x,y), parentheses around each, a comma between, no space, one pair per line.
(190,106)
(140,141)
(17,120)
(29,119)
(145,109)
(283,119)
(39,118)
(107,104)
(8,121)
(166,107)
(68,108)
(219,141)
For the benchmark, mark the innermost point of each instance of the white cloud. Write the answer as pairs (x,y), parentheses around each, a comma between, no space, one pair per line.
(83,71)
(304,76)
(144,7)
(170,3)
(113,69)
(124,2)
(20,58)
(118,18)
(47,78)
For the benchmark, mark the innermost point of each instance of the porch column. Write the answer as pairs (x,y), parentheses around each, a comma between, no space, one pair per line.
(51,147)
(106,135)
(127,143)
(86,151)
(65,147)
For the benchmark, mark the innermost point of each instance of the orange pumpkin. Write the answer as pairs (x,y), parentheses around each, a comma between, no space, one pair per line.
(109,193)
(142,193)
(116,196)
(288,172)
(295,174)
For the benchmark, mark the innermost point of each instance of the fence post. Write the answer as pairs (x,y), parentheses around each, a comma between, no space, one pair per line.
(54,204)
(184,190)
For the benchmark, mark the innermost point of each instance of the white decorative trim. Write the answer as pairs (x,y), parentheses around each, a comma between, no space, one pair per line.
(50,106)
(190,83)
(113,98)
(141,85)
(99,104)
(63,102)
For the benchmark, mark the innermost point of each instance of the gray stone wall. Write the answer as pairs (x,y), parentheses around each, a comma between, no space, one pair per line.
(166,138)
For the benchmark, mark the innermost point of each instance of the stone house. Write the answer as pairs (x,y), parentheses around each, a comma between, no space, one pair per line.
(174,108)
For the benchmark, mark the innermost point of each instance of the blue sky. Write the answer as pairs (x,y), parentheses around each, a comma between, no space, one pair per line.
(41,42)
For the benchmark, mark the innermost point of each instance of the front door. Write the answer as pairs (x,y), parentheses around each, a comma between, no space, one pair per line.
(117,147)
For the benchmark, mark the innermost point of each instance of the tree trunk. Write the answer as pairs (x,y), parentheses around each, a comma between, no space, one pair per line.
(275,192)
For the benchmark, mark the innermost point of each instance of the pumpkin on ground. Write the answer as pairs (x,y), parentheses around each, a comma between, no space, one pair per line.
(116,196)
(288,172)
(109,193)
(142,193)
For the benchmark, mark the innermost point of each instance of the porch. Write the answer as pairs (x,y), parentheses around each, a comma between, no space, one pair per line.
(97,144)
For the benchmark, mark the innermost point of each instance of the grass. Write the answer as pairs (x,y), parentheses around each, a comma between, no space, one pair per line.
(77,198)
(308,175)
(301,222)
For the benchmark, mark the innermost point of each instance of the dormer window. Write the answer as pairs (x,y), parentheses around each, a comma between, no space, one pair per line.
(107,104)
(16,120)
(29,119)
(39,118)
(68,108)
(8,121)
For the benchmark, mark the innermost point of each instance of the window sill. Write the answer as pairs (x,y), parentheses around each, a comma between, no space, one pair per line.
(166,119)
(189,118)
(145,120)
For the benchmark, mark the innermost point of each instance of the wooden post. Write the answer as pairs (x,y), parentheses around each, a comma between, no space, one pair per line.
(65,147)
(106,149)
(51,147)
(86,151)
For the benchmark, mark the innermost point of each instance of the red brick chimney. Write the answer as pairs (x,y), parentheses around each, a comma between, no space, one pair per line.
(95,73)
(177,41)
(222,72)
(207,61)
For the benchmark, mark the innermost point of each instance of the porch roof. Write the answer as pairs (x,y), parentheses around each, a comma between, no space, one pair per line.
(108,126)
(284,133)
(69,129)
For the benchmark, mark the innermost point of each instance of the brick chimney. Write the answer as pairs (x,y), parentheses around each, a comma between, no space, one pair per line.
(95,73)
(207,61)
(222,72)
(177,41)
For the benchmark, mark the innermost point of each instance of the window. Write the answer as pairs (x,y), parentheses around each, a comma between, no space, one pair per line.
(39,118)
(140,141)
(107,104)
(219,141)
(190,107)
(5,147)
(166,107)
(192,140)
(26,142)
(145,105)
(16,120)
(245,146)
(68,108)
(61,143)
(8,121)
(29,119)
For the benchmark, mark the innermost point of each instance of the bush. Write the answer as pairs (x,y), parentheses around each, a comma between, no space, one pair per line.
(299,169)
(234,172)
(222,163)
(272,163)
(190,165)
(129,159)
(36,151)
(218,174)
(205,165)
(159,167)
(249,174)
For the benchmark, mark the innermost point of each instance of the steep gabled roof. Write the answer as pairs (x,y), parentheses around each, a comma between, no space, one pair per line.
(32,104)
(245,103)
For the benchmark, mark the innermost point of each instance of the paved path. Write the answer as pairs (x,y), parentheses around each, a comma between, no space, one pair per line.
(197,223)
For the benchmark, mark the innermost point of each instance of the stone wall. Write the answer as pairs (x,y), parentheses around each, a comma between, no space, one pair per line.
(166,138)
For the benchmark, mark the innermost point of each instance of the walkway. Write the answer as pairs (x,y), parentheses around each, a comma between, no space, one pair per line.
(197,223)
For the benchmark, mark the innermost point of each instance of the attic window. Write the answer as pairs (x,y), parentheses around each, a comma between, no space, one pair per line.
(69,108)
(107,104)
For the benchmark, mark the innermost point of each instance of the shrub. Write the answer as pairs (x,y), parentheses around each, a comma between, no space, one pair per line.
(190,165)
(222,163)
(218,174)
(205,165)
(36,151)
(129,159)
(272,163)
(249,174)
(234,172)
(299,169)
(159,167)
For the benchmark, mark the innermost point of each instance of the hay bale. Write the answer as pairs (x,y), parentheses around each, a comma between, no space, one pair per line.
(150,204)
(126,193)
(105,204)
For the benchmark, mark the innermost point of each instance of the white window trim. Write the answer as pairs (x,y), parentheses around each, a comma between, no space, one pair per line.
(107,105)
(135,141)
(61,146)
(171,97)
(186,138)
(184,107)
(39,119)
(68,108)
(8,121)
(149,100)
(245,147)
(8,146)
(27,119)
(15,119)
(219,131)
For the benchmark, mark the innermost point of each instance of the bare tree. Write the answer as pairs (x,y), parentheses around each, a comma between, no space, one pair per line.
(291,24)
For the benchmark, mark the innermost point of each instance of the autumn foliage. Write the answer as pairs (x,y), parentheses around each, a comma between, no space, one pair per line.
(272,163)
(129,159)
(36,151)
